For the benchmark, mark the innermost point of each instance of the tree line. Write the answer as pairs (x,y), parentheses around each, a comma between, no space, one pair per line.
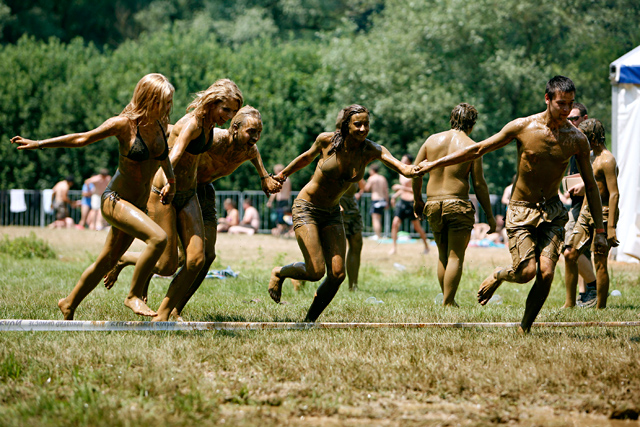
(67,66)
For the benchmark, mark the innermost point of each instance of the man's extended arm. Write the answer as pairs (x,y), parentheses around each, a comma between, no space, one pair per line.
(593,195)
(611,176)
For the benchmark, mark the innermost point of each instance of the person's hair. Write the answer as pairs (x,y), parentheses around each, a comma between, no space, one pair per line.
(221,90)
(151,88)
(463,117)
(69,179)
(594,130)
(408,156)
(230,201)
(242,114)
(248,201)
(374,167)
(560,84)
(103,171)
(581,107)
(342,132)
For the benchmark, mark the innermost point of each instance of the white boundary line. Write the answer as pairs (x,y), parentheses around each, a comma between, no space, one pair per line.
(78,325)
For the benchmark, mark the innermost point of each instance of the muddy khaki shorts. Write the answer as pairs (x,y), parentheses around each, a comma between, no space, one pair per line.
(581,239)
(449,213)
(306,213)
(535,227)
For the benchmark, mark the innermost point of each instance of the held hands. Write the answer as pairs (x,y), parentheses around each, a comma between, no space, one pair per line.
(270,185)
(423,167)
(25,144)
(280,178)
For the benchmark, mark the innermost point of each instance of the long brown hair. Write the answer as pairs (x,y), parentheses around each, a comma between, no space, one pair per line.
(342,125)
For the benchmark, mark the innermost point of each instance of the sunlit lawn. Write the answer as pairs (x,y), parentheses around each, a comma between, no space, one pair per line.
(575,376)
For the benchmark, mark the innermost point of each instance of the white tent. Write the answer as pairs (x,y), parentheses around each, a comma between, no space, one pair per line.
(625,131)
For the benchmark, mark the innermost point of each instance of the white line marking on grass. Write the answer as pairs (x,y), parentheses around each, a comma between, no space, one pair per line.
(78,325)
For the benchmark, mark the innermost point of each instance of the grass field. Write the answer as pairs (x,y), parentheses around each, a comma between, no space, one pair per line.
(433,377)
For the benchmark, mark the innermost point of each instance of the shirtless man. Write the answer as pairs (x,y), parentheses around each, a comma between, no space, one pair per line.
(448,209)
(378,186)
(250,223)
(605,170)
(536,217)
(61,202)
(230,149)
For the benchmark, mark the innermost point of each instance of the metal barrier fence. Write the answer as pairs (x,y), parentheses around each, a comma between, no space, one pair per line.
(29,208)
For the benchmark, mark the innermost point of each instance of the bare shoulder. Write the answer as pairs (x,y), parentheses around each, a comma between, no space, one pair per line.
(118,123)
(324,139)
(220,136)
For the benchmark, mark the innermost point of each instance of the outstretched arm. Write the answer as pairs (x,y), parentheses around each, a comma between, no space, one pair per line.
(267,182)
(394,164)
(482,193)
(111,127)
(304,159)
(499,140)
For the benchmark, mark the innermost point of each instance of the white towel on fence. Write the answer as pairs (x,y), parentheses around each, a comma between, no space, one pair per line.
(47,198)
(18,203)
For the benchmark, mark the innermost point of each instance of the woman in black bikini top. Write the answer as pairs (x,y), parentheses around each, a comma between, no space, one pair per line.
(345,154)
(191,136)
(140,130)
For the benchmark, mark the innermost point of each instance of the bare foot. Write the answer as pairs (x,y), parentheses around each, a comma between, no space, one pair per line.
(176,316)
(353,287)
(139,307)
(392,251)
(566,305)
(275,285)
(111,277)
(66,309)
(489,286)
(426,250)
(522,331)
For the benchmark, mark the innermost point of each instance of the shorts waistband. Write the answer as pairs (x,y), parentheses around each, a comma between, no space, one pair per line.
(540,205)
(443,198)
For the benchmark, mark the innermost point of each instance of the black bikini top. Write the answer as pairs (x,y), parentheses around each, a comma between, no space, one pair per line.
(139,151)
(199,145)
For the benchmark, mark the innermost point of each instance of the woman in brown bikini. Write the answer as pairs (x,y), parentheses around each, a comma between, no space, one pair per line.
(317,221)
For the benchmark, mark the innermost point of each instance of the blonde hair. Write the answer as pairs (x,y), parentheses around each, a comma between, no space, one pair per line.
(151,88)
(220,90)
(242,114)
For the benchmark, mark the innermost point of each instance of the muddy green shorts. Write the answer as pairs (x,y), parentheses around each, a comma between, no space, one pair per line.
(449,213)
(535,228)
(581,238)
(306,213)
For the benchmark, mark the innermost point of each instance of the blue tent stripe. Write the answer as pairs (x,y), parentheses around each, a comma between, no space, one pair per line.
(629,74)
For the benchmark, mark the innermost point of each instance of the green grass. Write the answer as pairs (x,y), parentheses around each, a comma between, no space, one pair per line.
(316,377)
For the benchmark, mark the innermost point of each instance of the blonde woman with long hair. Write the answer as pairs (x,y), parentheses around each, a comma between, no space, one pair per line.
(140,130)
(191,136)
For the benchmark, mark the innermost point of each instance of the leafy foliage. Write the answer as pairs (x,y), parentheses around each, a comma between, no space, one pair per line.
(299,62)
(30,246)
